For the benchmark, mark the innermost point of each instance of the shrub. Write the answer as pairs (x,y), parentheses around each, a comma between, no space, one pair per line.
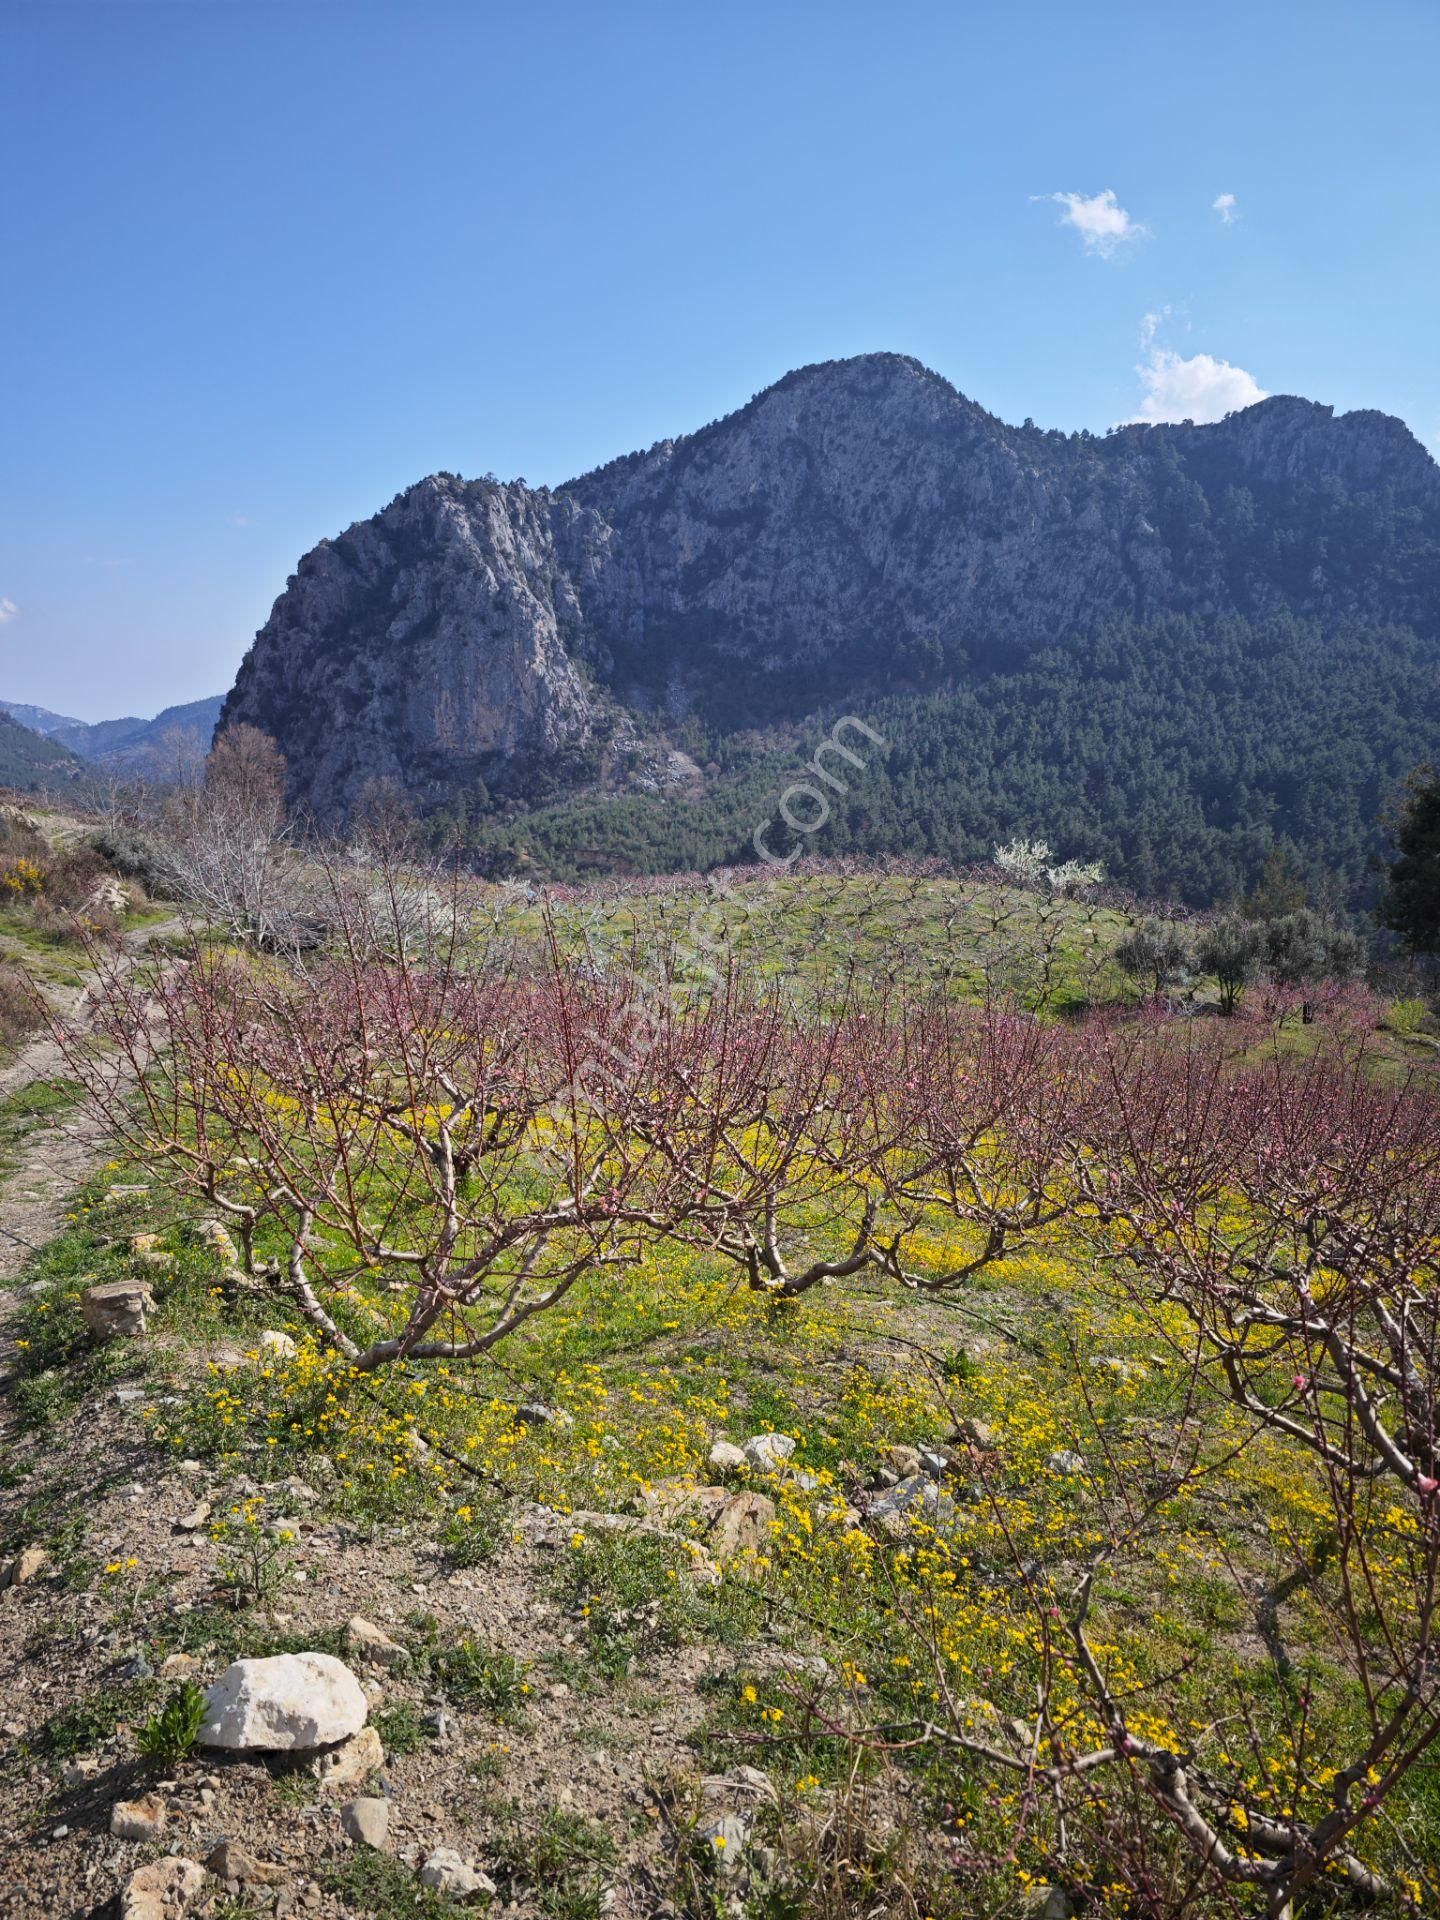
(1407,1016)
(134,856)
(74,876)
(19,1012)
(169,1735)
(470,1675)
(22,879)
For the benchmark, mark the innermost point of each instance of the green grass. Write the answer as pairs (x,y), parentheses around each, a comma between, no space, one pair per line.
(377,1884)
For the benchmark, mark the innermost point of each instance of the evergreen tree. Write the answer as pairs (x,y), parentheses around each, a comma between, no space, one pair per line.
(1411,906)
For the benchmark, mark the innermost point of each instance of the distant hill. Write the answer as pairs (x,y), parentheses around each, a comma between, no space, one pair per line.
(131,745)
(29,762)
(1179,645)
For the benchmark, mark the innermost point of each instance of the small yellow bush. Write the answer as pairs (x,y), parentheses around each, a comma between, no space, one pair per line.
(24,879)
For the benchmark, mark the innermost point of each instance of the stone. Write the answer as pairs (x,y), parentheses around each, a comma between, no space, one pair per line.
(24,1566)
(353,1761)
(905,1460)
(288,1703)
(367,1821)
(727,1835)
(216,1235)
(118,1309)
(1046,1903)
(369,1642)
(192,1522)
(743,1526)
(741,1784)
(165,1890)
(230,1861)
(674,1501)
(1065,1460)
(178,1666)
(534,1413)
(768,1452)
(142,1819)
(763,1662)
(726,1457)
(448,1874)
(277,1345)
(917,1497)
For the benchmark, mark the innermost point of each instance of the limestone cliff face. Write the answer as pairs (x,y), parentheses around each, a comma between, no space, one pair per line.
(856,523)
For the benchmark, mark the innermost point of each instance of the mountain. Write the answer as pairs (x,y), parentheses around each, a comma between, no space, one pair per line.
(146,747)
(29,762)
(862,536)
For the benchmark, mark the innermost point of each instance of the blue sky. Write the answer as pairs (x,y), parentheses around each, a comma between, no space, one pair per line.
(266,265)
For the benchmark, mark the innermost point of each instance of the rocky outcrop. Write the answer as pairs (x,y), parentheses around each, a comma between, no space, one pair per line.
(853,526)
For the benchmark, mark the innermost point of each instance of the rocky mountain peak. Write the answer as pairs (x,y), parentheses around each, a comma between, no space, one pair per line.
(857,523)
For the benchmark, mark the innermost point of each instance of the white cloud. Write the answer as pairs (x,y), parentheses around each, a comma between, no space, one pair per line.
(238,519)
(8,611)
(1099,219)
(1224,205)
(1201,388)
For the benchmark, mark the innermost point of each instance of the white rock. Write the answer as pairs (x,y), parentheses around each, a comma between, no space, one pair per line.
(726,1457)
(916,1497)
(453,1877)
(727,1836)
(165,1890)
(138,1819)
(1063,1460)
(272,1341)
(767,1452)
(287,1703)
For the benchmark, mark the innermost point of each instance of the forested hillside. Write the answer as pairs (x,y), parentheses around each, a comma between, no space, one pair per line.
(1180,751)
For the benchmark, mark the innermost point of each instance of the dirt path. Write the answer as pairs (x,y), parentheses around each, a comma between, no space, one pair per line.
(54,1157)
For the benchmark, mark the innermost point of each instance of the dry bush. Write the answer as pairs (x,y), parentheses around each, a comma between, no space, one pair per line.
(19,1013)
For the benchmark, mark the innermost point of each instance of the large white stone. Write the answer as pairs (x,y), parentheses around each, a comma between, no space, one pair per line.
(453,1876)
(287,1703)
(165,1890)
(768,1452)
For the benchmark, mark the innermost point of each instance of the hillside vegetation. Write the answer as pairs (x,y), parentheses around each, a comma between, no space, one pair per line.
(819,1422)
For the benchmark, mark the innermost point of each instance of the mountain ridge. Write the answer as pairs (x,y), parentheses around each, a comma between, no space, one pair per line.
(858,526)
(130,742)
